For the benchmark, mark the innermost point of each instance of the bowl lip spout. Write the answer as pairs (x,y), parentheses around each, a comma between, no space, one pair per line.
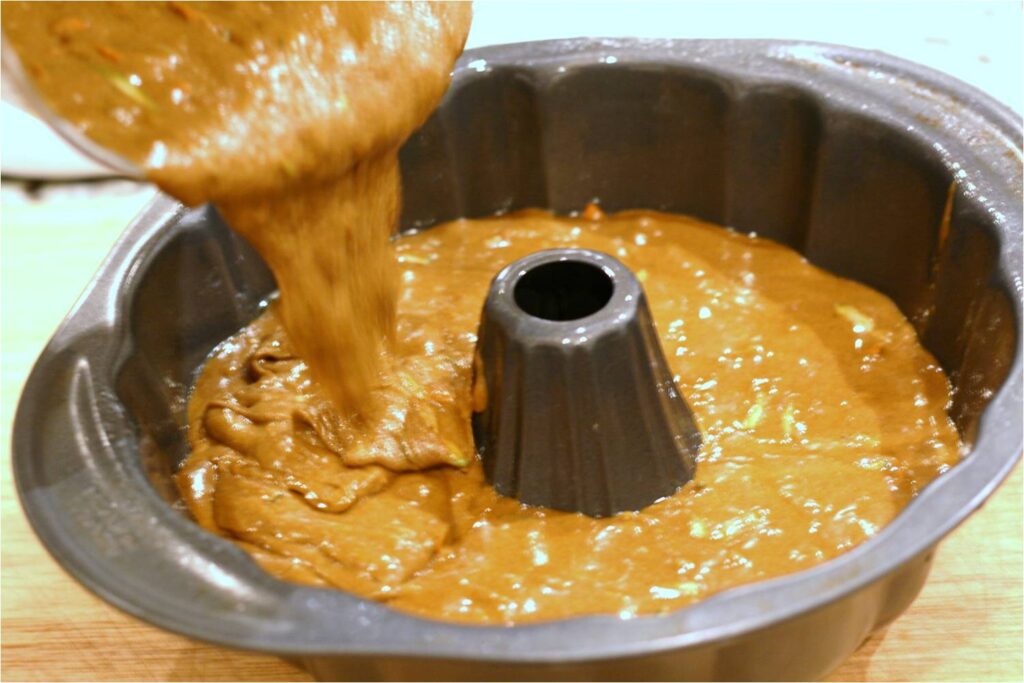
(206,588)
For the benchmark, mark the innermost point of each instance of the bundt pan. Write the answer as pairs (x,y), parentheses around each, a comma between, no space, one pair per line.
(876,169)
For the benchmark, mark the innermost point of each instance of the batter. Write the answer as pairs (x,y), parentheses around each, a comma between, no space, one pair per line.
(331,436)
(821,415)
(288,116)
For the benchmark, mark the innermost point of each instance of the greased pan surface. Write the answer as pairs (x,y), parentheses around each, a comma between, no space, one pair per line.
(846,155)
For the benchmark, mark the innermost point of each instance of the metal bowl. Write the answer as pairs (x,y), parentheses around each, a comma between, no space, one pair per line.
(848,156)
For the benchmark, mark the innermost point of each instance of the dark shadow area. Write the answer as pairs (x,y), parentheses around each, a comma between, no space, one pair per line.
(566,290)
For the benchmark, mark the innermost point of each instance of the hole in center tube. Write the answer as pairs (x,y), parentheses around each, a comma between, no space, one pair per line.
(563,290)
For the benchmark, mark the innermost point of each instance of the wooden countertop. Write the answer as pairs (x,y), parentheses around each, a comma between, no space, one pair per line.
(966,625)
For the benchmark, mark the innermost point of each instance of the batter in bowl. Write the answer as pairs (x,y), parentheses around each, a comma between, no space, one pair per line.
(821,414)
(288,116)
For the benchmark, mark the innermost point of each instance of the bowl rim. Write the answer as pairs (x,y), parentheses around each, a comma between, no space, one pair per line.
(324,622)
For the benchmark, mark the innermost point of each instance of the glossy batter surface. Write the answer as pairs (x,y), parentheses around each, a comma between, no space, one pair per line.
(821,414)
(331,437)
(287,115)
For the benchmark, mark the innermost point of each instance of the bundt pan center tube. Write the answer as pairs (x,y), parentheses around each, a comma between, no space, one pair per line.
(875,169)
(579,410)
